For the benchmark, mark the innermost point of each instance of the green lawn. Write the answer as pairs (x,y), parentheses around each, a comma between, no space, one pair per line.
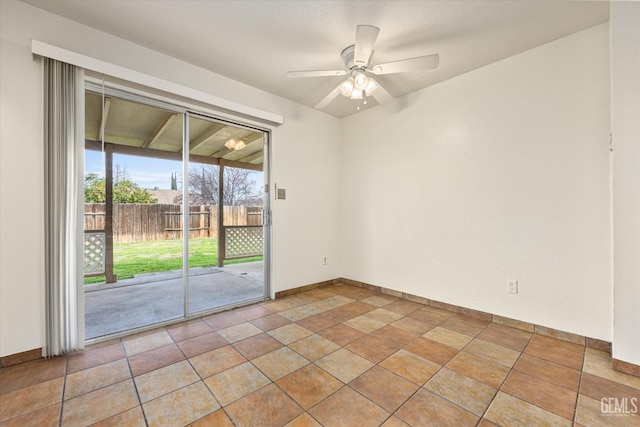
(134,258)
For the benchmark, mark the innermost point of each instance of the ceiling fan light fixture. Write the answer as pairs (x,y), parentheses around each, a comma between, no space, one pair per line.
(347,87)
(360,80)
(371,87)
(357,94)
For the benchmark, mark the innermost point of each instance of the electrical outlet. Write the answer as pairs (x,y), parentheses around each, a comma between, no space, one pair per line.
(324,261)
(512,287)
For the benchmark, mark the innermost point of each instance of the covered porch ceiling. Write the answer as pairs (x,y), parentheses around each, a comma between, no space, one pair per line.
(139,129)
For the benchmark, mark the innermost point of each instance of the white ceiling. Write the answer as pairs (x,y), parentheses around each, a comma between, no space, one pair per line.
(257,42)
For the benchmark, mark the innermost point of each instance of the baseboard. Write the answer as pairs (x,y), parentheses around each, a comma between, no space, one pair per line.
(25,356)
(626,367)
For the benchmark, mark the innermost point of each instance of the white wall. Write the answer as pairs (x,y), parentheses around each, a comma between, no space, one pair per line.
(625,121)
(499,174)
(304,151)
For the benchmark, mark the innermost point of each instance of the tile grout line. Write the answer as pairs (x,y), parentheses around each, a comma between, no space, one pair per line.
(575,409)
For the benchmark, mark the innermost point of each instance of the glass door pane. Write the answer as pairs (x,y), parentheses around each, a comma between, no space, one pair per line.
(225,204)
(133,267)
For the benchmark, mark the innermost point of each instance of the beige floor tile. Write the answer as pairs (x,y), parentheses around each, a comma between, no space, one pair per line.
(45,417)
(384,388)
(493,352)
(309,385)
(432,350)
(181,407)
(598,388)
(462,390)
(593,413)
(32,398)
(314,347)
(216,419)
(298,313)
(165,380)
(410,366)
(448,337)
(598,363)
(289,333)
(504,339)
(404,307)
(235,383)
(189,330)
(384,316)
(548,371)
(217,360)
(268,406)
(559,400)
(147,342)
(303,420)
(224,320)
(239,332)
(480,369)
(426,409)
(201,344)
(30,373)
(394,421)
(364,324)
(94,378)
(279,363)
(379,300)
(507,410)
(348,408)
(95,356)
(555,353)
(344,365)
(145,362)
(114,399)
(341,334)
(131,418)
(257,345)
(318,322)
(372,348)
(413,325)
(270,322)
(464,325)
(254,312)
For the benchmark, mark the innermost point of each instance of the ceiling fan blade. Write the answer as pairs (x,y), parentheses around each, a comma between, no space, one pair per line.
(366,36)
(327,99)
(420,63)
(328,73)
(381,95)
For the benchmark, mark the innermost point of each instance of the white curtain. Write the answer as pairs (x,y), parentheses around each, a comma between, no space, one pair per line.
(64,198)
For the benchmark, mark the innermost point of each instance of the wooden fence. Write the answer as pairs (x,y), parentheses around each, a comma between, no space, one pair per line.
(143,222)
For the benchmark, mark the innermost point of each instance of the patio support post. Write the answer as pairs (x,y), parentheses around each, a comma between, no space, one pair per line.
(108,215)
(221,234)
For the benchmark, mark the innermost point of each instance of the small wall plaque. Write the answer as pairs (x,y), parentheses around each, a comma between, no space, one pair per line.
(282,194)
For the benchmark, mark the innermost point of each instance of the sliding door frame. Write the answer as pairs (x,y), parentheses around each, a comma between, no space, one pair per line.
(187,111)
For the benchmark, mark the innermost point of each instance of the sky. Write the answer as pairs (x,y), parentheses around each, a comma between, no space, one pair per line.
(144,171)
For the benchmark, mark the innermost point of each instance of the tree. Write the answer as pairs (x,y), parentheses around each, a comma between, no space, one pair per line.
(174,181)
(124,189)
(239,187)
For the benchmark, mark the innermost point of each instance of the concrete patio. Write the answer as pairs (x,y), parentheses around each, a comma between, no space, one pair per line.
(157,297)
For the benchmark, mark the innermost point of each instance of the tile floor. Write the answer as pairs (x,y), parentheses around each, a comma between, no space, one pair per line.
(337,356)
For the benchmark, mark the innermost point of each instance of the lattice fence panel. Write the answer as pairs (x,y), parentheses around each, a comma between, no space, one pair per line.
(243,242)
(94,253)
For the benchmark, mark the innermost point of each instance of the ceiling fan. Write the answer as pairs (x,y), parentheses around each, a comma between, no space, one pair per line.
(356,58)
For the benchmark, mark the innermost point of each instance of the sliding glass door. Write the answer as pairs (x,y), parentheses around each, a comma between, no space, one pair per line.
(173,213)
(225,207)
